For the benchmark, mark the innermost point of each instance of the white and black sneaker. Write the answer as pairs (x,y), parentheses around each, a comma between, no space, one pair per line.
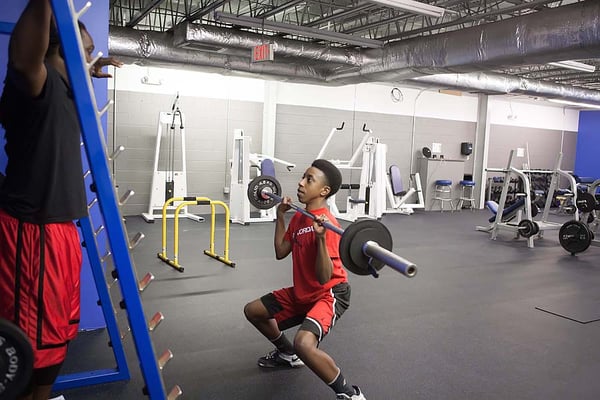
(356,396)
(276,359)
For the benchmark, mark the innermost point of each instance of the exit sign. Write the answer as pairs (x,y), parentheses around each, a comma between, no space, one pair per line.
(262,52)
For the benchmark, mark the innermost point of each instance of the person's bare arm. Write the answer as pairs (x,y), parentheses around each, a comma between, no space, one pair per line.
(323,263)
(29,43)
(282,247)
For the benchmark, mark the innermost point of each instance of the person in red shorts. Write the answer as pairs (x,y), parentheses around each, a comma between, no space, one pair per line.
(42,193)
(321,292)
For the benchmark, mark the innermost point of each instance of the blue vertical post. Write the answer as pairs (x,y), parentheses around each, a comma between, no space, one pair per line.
(95,148)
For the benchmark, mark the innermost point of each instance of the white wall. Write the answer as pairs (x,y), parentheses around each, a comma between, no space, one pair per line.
(363,97)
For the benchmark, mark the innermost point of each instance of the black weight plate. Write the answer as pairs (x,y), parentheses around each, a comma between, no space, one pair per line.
(574,237)
(591,217)
(534,209)
(16,361)
(585,202)
(526,228)
(353,239)
(255,188)
(536,228)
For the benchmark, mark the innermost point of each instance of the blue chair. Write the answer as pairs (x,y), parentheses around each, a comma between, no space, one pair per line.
(466,194)
(443,193)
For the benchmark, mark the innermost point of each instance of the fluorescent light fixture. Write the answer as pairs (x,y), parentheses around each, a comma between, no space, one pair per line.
(322,34)
(576,65)
(414,7)
(574,103)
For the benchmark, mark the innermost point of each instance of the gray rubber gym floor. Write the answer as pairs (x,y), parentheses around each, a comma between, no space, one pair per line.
(468,326)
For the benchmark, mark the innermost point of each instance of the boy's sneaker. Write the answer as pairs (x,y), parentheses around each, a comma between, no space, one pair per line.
(356,396)
(276,359)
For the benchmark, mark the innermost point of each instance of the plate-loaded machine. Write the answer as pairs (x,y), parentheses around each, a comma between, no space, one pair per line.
(524,225)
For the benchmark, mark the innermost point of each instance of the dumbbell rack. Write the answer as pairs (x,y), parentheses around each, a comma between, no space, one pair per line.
(106,199)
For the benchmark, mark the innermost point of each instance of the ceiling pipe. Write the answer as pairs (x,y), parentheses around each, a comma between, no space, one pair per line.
(156,49)
(507,84)
(562,33)
(190,34)
(569,32)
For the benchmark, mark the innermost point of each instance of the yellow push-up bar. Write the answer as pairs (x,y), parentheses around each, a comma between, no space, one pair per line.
(188,201)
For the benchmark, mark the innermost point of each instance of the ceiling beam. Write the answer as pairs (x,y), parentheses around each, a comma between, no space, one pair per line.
(337,37)
(140,15)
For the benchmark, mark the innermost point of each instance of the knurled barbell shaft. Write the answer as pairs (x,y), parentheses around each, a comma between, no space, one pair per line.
(370,248)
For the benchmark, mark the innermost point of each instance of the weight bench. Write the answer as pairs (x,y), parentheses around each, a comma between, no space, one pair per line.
(508,214)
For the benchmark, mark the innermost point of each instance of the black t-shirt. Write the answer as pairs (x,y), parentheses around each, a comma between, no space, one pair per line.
(44,177)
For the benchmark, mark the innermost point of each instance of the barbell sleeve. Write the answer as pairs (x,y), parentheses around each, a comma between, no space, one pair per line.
(392,260)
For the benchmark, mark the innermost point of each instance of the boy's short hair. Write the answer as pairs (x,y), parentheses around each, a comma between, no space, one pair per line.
(331,172)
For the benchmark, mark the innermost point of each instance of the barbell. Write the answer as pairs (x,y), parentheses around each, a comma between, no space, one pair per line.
(16,360)
(365,246)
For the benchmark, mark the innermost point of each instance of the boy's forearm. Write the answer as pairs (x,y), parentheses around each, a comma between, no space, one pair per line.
(279,236)
(323,264)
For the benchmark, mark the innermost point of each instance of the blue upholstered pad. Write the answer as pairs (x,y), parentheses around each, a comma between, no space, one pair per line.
(396,180)
(508,211)
(267,167)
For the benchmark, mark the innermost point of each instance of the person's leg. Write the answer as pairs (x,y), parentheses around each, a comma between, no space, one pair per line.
(257,314)
(319,321)
(316,359)
(271,314)
(42,380)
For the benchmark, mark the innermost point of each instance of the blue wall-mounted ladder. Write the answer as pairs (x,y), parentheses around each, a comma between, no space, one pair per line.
(111,225)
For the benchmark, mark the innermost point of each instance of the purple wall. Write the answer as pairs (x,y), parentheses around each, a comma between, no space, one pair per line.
(96,21)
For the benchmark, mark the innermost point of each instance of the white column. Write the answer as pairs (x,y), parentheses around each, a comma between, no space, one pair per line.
(269,118)
(480,150)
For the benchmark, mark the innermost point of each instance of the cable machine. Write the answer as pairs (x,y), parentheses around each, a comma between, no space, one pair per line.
(169,178)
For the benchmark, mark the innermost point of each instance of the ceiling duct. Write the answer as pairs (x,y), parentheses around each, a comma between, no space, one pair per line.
(563,33)
(156,49)
(508,84)
(188,34)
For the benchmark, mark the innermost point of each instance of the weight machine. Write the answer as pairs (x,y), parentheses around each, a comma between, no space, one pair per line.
(242,162)
(523,209)
(372,153)
(171,181)
(398,199)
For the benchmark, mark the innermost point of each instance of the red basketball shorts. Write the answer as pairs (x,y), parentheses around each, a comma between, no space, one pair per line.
(40,269)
